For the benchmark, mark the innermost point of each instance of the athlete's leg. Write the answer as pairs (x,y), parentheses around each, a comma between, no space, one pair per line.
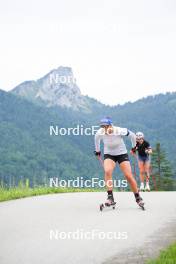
(141,170)
(147,170)
(127,171)
(109,166)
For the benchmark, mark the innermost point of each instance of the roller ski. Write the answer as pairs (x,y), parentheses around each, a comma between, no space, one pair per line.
(140,202)
(109,203)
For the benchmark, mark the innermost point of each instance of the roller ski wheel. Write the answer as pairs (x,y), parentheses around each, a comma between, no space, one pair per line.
(101,207)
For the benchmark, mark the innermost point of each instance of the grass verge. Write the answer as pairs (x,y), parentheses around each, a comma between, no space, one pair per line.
(19,192)
(167,256)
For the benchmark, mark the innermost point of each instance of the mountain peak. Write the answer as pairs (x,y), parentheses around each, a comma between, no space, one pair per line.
(58,87)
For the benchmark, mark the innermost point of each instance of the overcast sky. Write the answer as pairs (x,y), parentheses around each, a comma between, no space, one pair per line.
(119,50)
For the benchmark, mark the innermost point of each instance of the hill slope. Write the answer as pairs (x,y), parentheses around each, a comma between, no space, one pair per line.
(28,151)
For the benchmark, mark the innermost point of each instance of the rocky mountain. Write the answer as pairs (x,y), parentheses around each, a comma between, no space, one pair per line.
(57,88)
(28,151)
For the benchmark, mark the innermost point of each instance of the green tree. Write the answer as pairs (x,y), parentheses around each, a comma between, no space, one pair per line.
(161,170)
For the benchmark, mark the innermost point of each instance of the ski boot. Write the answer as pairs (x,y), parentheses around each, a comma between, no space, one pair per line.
(147,187)
(142,187)
(109,202)
(140,202)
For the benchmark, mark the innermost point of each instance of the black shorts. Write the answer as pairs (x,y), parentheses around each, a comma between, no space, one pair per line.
(117,158)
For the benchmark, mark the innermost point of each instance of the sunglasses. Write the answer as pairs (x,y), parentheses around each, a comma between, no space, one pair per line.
(104,126)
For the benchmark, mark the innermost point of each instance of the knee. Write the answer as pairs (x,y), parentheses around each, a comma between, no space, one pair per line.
(108,173)
(129,177)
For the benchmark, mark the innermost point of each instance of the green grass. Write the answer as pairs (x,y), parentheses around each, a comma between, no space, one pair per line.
(167,256)
(21,192)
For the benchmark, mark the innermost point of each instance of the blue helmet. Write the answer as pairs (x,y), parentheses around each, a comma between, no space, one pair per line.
(106,121)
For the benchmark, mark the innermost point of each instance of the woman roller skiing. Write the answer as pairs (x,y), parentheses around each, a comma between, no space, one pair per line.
(144,150)
(115,151)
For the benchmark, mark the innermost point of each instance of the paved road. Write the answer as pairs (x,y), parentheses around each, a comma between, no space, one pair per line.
(29,228)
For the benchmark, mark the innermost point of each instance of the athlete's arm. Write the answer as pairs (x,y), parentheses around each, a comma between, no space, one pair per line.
(98,137)
(130,134)
(148,148)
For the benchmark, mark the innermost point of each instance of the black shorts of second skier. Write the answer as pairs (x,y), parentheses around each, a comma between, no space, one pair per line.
(117,158)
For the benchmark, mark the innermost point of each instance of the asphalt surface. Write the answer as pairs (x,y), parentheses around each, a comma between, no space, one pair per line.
(70,229)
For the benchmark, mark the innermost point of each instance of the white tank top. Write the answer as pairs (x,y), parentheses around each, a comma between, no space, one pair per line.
(114,143)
